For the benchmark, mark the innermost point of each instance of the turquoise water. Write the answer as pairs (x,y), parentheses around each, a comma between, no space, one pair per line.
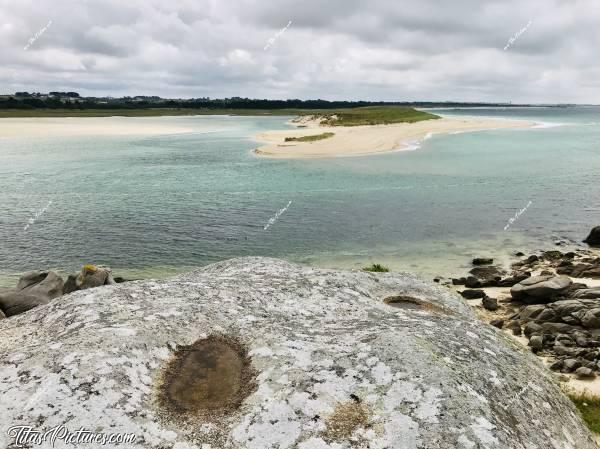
(153,206)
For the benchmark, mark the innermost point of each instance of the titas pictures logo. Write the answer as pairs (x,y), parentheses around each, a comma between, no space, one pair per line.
(27,436)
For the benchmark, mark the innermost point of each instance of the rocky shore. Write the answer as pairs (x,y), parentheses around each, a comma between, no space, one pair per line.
(552,299)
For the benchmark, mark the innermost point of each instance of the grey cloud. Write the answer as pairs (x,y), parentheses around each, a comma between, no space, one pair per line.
(337,49)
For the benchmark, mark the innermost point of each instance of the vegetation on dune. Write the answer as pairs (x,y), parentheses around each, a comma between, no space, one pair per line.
(373,115)
(310,138)
(377,268)
(589,407)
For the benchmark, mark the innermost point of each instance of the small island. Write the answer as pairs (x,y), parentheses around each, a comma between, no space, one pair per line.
(367,130)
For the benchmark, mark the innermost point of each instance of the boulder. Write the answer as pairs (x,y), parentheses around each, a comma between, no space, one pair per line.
(13,302)
(514,279)
(515,327)
(586,293)
(31,278)
(47,284)
(580,270)
(2,316)
(594,238)
(497,323)
(552,255)
(540,289)
(584,373)
(70,285)
(532,328)
(556,328)
(590,319)
(557,365)
(531,312)
(94,276)
(483,261)
(536,343)
(472,294)
(487,274)
(490,304)
(571,365)
(472,282)
(258,353)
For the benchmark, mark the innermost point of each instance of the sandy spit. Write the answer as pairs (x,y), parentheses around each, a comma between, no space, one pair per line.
(365,140)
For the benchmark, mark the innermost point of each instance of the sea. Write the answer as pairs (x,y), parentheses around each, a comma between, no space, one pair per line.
(153,206)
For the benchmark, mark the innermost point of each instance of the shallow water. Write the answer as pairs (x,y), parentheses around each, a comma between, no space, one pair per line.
(158,205)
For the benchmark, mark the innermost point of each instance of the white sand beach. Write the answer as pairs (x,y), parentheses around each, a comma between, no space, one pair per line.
(86,126)
(364,140)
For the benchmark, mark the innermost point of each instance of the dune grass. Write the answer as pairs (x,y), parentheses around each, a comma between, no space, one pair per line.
(313,138)
(372,115)
(589,407)
(376,268)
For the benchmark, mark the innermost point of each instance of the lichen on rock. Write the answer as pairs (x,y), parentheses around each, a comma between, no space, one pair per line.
(313,345)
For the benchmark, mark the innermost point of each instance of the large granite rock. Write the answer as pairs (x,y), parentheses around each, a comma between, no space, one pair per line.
(258,353)
(540,289)
(594,238)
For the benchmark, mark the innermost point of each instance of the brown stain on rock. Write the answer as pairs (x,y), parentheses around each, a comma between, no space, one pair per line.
(412,303)
(211,377)
(347,417)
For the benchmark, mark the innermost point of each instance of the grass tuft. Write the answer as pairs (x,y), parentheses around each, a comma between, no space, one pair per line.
(310,138)
(377,268)
(589,407)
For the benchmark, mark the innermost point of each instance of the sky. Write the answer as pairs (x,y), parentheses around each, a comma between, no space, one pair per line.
(524,51)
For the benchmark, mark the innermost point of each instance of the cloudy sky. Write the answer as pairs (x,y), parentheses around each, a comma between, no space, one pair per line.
(389,50)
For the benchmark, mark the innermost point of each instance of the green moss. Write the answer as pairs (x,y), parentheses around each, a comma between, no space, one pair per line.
(589,407)
(310,138)
(377,268)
